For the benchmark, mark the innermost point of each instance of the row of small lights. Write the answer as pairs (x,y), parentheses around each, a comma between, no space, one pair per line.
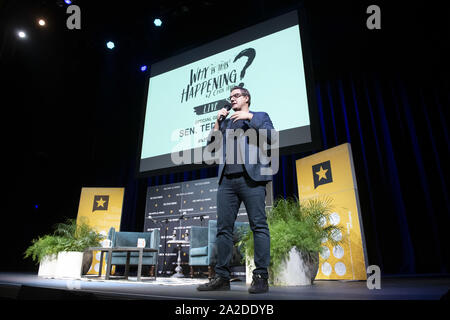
(110,45)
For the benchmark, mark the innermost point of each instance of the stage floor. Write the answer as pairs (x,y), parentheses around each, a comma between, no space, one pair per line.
(24,286)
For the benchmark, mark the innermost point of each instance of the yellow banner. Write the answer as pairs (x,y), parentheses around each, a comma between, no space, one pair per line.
(331,174)
(101,208)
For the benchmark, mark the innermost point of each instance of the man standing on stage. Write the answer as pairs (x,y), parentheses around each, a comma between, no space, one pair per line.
(242,177)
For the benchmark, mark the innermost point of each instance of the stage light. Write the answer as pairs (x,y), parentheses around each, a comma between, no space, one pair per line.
(36,206)
(68,1)
(22,34)
(110,45)
(41,22)
(157,22)
(143,68)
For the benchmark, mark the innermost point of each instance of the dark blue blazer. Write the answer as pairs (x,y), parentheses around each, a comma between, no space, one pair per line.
(254,167)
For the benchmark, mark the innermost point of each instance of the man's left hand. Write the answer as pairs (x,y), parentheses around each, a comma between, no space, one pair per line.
(241,115)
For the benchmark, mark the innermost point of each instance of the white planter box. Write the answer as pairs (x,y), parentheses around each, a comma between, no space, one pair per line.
(295,271)
(47,266)
(69,265)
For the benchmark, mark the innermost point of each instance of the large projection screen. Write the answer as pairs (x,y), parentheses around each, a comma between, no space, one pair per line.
(186,91)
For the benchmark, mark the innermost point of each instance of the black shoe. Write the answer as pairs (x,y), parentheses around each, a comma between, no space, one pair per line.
(215,284)
(259,285)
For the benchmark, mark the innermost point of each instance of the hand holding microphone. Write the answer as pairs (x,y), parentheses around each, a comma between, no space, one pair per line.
(223,113)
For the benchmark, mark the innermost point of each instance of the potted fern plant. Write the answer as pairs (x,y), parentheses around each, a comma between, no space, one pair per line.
(65,249)
(74,239)
(297,231)
(44,251)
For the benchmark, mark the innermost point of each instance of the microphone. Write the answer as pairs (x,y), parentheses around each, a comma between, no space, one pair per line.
(228,107)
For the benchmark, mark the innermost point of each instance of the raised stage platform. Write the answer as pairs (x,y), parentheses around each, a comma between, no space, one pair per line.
(28,286)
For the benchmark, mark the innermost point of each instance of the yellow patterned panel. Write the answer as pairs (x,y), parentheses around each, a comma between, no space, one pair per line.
(101,208)
(330,173)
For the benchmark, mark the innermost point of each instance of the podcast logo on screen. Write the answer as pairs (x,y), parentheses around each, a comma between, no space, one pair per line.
(100,203)
(322,173)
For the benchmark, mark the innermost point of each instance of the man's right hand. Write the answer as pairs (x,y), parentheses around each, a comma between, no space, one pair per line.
(222,112)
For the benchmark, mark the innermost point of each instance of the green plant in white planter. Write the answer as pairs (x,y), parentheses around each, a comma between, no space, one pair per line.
(44,251)
(297,231)
(66,246)
(74,239)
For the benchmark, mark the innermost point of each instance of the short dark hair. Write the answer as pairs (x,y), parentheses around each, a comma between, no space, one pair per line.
(244,92)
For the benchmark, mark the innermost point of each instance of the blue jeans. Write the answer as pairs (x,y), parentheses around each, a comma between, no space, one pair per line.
(230,194)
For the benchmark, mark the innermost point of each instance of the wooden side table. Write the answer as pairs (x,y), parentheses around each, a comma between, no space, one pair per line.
(128,250)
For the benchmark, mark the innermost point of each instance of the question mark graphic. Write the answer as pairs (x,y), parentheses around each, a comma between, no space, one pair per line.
(250,53)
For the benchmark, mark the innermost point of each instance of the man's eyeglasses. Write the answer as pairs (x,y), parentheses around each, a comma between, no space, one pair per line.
(236,95)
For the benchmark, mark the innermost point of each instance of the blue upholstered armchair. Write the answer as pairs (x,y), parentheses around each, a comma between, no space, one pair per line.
(129,239)
(202,250)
